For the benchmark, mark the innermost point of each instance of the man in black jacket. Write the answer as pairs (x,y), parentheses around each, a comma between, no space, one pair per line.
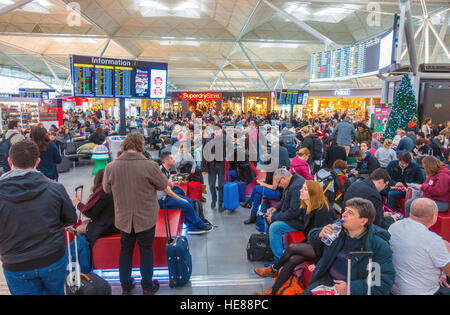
(370,189)
(367,163)
(33,212)
(286,216)
(334,153)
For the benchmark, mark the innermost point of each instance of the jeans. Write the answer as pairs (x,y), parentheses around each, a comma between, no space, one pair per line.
(257,196)
(393,196)
(145,242)
(48,280)
(442,206)
(276,231)
(216,171)
(192,219)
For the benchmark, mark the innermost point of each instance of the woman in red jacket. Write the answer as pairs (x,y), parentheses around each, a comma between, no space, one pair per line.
(300,165)
(436,186)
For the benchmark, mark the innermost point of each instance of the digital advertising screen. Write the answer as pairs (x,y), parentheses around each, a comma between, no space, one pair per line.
(158,86)
(292,97)
(121,78)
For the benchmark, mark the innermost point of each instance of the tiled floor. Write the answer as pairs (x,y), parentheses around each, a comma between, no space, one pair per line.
(220,264)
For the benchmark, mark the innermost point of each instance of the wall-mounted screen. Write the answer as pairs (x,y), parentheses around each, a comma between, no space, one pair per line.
(106,77)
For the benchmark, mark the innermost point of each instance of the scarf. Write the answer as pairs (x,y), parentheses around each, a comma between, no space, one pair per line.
(93,199)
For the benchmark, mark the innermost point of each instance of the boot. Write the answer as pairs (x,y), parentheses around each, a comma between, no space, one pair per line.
(203,189)
(266,272)
(247,204)
(252,218)
(267,291)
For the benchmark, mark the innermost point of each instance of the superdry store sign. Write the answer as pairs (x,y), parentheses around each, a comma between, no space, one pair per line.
(208,96)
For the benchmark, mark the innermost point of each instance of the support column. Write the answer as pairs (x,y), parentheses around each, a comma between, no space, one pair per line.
(385,92)
(123,126)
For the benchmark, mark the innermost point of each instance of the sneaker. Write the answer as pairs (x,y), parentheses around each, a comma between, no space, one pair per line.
(221,209)
(207,228)
(128,291)
(153,290)
(197,231)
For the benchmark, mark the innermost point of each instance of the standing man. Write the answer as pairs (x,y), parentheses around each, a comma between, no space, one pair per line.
(14,135)
(345,133)
(33,212)
(134,181)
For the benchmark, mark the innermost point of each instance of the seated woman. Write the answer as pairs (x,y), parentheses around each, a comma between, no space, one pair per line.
(98,137)
(436,186)
(100,211)
(300,165)
(318,214)
(386,154)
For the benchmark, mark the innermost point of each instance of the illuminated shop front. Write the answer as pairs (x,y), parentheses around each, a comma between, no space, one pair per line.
(259,103)
(232,103)
(201,102)
(358,104)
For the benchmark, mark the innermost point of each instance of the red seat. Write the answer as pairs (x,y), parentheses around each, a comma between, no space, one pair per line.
(442,226)
(249,188)
(401,203)
(106,250)
(307,275)
(292,237)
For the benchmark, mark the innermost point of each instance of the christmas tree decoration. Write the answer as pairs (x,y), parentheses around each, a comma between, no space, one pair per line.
(404,109)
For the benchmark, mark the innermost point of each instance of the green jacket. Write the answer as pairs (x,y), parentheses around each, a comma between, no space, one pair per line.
(376,241)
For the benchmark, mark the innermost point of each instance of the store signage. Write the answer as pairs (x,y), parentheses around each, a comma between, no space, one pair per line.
(342,92)
(201,96)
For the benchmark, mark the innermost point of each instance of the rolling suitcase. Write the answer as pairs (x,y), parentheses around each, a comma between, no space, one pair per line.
(195,190)
(78,283)
(64,166)
(179,260)
(230,193)
(241,188)
(349,271)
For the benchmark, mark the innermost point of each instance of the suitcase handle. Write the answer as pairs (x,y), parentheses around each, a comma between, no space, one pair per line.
(166,221)
(349,270)
(74,280)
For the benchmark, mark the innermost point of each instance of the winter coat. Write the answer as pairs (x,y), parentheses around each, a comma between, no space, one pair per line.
(377,241)
(368,165)
(334,153)
(411,174)
(365,135)
(437,187)
(344,133)
(49,159)
(366,189)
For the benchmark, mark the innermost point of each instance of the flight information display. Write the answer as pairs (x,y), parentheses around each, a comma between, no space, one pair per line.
(104,81)
(365,58)
(107,77)
(122,79)
(292,97)
(83,79)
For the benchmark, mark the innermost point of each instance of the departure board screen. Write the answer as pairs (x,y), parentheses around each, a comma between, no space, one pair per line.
(83,80)
(107,77)
(292,97)
(362,59)
(122,78)
(104,81)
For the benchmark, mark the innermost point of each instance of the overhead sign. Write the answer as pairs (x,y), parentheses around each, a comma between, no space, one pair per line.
(107,77)
(292,97)
(342,92)
(201,96)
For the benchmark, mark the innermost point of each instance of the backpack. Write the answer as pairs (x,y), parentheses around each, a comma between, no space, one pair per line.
(258,248)
(5,145)
(294,285)
(317,152)
(334,184)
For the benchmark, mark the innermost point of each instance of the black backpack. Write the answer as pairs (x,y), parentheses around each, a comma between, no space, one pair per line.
(317,152)
(258,248)
(5,145)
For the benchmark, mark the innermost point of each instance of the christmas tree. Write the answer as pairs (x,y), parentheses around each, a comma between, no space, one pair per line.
(403,110)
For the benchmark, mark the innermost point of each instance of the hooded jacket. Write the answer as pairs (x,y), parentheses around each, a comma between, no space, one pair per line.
(301,168)
(377,241)
(437,187)
(33,212)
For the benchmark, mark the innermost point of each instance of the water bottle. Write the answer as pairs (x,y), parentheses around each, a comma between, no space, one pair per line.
(337,227)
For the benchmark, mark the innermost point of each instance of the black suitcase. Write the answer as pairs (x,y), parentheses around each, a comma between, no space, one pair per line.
(64,166)
(78,283)
(258,248)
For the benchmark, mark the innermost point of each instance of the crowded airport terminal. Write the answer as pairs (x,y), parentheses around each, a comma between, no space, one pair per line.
(243,148)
